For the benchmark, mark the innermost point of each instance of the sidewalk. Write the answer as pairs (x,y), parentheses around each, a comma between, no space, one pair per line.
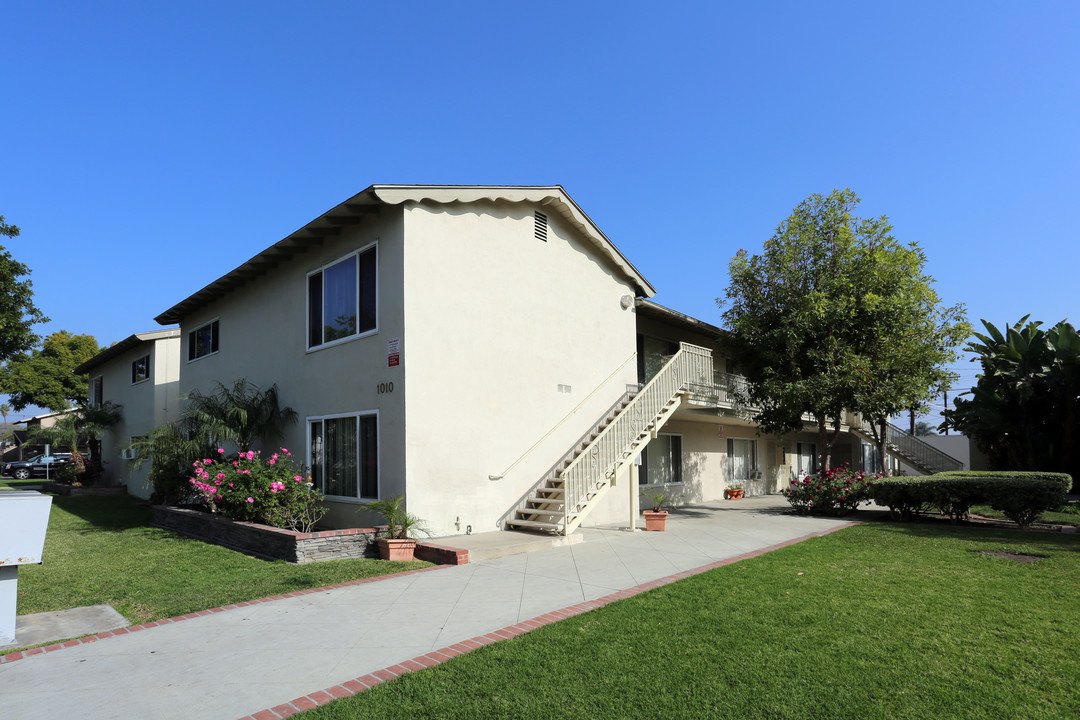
(237,662)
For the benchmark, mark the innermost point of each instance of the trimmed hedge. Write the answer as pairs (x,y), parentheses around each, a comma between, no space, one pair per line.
(1021,496)
(905,496)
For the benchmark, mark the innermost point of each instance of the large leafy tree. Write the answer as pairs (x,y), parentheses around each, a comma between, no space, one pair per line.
(836,315)
(905,338)
(1025,406)
(43,377)
(18,314)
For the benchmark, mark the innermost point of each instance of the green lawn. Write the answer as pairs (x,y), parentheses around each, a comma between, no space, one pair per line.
(103,550)
(1069,516)
(882,620)
(13,484)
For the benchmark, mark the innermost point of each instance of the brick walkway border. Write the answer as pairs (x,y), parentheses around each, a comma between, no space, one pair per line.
(437,657)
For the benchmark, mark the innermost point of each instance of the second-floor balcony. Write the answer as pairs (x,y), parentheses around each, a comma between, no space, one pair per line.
(725,392)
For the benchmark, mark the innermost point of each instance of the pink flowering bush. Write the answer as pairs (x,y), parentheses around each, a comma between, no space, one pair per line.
(836,492)
(250,488)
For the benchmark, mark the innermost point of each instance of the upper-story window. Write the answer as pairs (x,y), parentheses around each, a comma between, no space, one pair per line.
(140,369)
(342,299)
(203,341)
(96,389)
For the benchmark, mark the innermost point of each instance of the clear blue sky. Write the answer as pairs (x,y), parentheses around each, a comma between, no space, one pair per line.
(148,148)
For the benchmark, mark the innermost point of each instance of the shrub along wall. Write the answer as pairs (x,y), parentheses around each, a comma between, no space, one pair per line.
(1021,496)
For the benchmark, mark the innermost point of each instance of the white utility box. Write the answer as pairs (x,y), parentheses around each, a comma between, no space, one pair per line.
(24,518)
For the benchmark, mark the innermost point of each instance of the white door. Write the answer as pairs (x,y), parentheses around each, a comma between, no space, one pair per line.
(807,460)
(743,466)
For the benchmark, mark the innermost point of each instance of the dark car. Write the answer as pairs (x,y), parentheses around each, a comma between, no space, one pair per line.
(37,466)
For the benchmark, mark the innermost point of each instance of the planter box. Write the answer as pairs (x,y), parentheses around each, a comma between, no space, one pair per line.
(268,542)
(63,489)
(655,521)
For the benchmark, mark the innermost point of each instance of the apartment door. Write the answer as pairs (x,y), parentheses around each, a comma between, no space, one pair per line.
(807,463)
(743,466)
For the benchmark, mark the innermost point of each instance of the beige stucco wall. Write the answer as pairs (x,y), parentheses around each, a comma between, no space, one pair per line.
(496,321)
(143,405)
(262,337)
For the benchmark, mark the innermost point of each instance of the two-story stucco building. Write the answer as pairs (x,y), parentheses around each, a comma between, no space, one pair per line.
(141,374)
(460,346)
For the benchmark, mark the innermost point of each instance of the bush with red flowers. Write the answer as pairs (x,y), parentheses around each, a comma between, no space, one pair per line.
(836,492)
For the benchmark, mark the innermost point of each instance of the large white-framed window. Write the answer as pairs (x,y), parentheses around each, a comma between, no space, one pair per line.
(140,369)
(97,388)
(203,341)
(661,461)
(343,451)
(742,460)
(342,299)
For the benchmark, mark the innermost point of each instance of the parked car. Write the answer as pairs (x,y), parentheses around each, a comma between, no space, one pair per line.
(37,466)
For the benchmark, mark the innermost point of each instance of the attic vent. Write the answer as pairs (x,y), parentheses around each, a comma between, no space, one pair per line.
(540,225)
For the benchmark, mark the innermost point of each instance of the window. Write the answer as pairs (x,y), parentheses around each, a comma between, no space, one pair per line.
(96,387)
(342,298)
(345,455)
(742,459)
(661,461)
(202,341)
(140,369)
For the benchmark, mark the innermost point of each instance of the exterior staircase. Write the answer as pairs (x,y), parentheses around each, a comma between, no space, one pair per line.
(573,487)
(920,455)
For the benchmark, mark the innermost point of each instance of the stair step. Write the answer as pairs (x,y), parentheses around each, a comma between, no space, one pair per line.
(544,513)
(535,525)
(556,502)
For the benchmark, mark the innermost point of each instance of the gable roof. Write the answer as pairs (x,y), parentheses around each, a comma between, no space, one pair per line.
(122,346)
(369,201)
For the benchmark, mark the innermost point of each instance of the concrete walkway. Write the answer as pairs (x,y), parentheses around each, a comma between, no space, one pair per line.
(281,653)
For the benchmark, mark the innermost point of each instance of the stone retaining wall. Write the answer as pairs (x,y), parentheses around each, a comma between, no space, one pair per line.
(269,542)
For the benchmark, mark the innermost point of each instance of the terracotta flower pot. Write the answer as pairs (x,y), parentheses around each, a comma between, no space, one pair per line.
(655,520)
(396,549)
(733,494)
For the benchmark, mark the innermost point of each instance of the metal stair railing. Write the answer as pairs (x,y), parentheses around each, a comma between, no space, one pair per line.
(922,454)
(523,501)
(912,450)
(691,365)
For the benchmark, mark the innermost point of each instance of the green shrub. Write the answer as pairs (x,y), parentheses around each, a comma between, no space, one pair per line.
(954,496)
(1020,496)
(905,496)
(251,489)
(836,492)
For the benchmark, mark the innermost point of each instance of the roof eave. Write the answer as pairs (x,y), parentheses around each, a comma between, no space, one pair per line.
(123,346)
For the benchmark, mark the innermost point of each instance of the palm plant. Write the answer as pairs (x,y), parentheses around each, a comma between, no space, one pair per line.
(83,426)
(240,413)
(401,525)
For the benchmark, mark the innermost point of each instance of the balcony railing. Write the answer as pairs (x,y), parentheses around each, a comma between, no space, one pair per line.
(726,390)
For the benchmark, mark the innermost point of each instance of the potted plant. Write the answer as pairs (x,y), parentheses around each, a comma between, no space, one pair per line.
(733,492)
(656,519)
(398,542)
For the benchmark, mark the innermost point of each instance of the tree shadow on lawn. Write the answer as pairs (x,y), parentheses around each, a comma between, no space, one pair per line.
(115,512)
(996,535)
